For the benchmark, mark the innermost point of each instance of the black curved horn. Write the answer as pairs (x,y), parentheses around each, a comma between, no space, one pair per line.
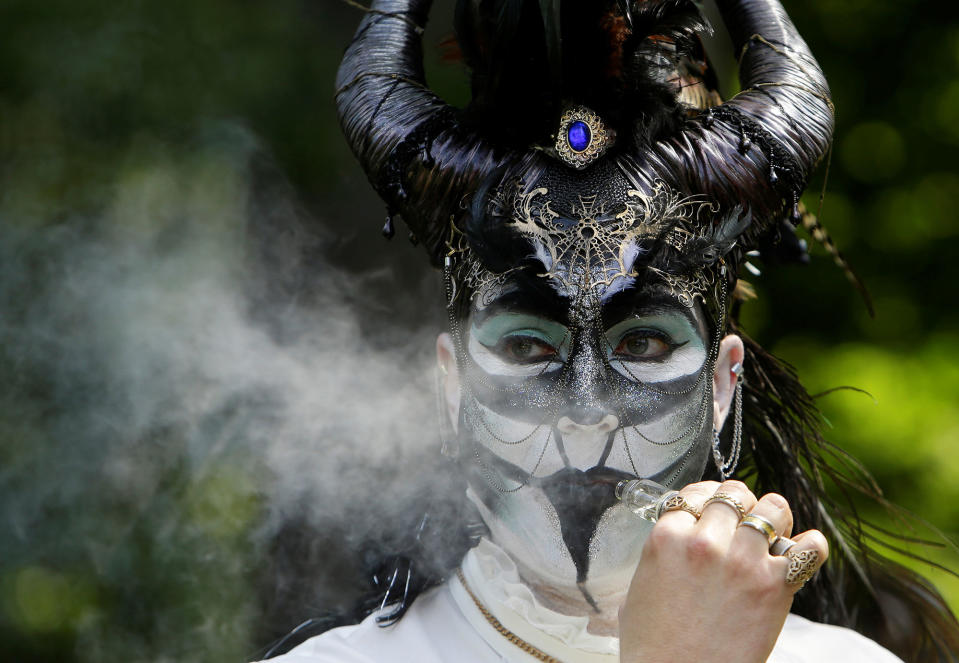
(759,147)
(411,144)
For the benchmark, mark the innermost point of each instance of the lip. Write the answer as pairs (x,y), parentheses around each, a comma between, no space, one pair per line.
(592,476)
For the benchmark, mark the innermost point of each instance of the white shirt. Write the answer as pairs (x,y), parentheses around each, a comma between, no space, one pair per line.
(444,625)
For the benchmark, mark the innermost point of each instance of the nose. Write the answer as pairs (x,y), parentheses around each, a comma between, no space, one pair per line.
(605,424)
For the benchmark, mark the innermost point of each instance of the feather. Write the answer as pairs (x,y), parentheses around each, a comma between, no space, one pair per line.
(709,247)
(700,250)
(811,223)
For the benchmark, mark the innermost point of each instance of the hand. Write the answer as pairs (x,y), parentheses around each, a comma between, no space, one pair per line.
(708,590)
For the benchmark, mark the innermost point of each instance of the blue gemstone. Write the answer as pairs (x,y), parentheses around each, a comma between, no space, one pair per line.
(578,136)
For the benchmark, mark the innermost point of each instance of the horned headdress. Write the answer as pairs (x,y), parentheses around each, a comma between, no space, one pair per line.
(626,93)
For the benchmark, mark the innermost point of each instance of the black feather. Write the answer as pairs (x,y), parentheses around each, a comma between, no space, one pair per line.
(706,248)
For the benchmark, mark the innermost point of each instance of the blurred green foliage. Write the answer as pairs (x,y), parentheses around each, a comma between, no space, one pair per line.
(95,94)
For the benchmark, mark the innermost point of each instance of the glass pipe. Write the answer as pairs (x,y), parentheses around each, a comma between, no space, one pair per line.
(643,497)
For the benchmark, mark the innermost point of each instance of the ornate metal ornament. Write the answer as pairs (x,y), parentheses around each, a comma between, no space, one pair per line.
(587,245)
(802,566)
(582,137)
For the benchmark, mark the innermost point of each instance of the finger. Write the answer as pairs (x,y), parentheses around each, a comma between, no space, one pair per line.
(813,539)
(693,495)
(696,493)
(726,507)
(803,560)
(771,517)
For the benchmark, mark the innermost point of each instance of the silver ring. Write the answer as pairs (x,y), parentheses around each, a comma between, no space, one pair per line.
(762,526)
(781,546)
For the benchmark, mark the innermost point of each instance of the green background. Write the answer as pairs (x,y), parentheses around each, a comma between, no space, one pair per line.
(138,119)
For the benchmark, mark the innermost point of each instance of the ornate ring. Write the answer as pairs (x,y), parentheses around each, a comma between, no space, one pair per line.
(803,565)
(673,501)
(761,525)
(582,137)
(729,500)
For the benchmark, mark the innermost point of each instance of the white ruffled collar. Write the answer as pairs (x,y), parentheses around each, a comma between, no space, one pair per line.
(492,576)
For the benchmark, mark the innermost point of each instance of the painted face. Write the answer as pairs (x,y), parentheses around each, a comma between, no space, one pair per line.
(584,360)
(561,400)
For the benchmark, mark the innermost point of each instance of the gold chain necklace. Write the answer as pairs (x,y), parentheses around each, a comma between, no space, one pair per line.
(538,654)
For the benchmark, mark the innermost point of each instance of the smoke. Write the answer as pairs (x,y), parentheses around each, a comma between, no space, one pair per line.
(201,419)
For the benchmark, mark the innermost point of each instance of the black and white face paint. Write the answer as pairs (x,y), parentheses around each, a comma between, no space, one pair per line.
(561,399)
(584,359)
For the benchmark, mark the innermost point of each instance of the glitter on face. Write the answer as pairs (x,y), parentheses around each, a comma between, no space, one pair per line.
(549,402)
(576,367)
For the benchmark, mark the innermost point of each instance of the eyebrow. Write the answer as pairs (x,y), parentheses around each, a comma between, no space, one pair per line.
(631,303)
(543,302)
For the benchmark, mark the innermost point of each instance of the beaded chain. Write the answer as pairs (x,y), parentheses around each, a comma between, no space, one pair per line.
(538,654)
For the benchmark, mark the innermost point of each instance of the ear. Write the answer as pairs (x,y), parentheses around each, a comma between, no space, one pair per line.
(731,352)
(446,358)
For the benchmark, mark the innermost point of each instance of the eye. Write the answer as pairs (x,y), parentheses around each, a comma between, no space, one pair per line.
(524,349)
(644,344)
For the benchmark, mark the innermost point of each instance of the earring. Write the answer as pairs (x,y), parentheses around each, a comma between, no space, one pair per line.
(727,467)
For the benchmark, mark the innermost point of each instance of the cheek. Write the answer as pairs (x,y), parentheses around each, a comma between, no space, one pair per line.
(532,399)
(671,465)
(662,435)
(671,404)
(524,445)
(684,361)
(453,396)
